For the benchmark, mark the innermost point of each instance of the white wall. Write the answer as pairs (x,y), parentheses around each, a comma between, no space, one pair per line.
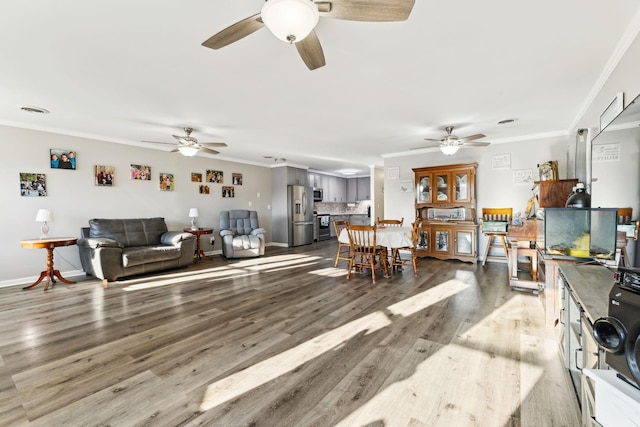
(618,183)
(74,199)
(494,188)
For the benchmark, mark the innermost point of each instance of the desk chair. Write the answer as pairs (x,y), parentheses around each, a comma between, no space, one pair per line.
(364,251)
(344,249)
(496,214)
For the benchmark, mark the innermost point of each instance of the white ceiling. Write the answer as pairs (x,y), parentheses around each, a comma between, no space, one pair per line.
(127,71)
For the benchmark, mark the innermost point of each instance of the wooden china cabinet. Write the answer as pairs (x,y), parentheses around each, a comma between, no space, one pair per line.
(446,203)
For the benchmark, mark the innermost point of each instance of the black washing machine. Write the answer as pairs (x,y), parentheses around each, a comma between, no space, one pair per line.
(619,332)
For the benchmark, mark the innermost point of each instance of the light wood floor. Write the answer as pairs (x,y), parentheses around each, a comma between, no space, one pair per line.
(284,340)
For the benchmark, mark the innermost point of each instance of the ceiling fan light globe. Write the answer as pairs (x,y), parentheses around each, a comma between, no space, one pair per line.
(449,150)
(290,20)
(188,151)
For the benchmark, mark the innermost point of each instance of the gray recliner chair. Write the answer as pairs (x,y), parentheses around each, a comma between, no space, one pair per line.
(241,234)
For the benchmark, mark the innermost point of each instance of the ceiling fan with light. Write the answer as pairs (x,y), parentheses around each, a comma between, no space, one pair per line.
(293,21)
(189,146)
(450,144)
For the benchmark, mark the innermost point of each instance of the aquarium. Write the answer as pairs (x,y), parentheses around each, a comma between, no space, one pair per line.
(580,232)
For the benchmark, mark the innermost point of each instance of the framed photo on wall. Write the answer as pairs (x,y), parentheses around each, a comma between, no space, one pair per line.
(236,178)
(62,159)
(166,181)
(104,175)
(215,176)
(141,172)
(33,184)
(227,191)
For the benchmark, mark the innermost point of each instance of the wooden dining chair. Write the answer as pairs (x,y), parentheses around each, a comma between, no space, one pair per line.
(396,258)
(496,214)
(344,249)
(364,251)
(389,222)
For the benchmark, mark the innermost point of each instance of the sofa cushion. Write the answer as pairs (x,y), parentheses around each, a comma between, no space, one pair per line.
(129,232)
(246,242)
(137,255)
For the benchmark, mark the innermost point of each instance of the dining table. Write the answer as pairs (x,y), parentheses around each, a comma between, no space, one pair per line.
(390,237)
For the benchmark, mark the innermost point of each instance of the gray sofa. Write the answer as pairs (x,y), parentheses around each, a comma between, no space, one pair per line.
(241,234)
(114,248)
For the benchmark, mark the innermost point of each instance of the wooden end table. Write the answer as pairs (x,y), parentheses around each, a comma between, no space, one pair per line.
(49,244)
(199,254)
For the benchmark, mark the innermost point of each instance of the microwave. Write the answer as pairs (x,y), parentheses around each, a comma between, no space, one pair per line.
(317,194)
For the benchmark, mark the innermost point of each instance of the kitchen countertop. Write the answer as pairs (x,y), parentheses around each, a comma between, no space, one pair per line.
(591,285)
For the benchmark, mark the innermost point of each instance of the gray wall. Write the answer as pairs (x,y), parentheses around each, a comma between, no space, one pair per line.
(74,199)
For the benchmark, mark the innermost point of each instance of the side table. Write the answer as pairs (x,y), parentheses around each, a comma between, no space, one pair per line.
(199,254)
(49,244)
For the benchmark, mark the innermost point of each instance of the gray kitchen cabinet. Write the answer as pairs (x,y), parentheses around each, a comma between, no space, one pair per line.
(336,218)
(360,219)
(352,189)
(363,185)
(296,176)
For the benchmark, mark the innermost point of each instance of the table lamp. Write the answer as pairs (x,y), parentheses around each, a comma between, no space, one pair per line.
(193,214)
(43,216)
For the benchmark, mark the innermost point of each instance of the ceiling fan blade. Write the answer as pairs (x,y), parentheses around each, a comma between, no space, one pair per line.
(310,51)
(214,144)
(431,145)
(208,150)
(234,32)
(476,144)
(368,10)
(158,142)
(175,150)
(472,137)
(431,139)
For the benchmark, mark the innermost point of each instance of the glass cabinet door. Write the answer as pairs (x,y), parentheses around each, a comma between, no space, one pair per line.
(423,238)
(462,189)
(464,242)
(442,241)
(442,182)
(424,190)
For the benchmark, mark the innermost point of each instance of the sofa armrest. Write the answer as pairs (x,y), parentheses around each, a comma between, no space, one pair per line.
(226,233)
(98,242)
(257,231)
(173,238)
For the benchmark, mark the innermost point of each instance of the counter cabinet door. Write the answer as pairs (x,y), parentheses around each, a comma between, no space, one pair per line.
(442,240)
(424,188)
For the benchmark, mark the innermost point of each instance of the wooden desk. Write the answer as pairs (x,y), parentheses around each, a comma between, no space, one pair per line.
(199,253)
(49,244)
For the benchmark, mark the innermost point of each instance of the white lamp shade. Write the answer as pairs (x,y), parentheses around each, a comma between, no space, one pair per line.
(187,150)
(290,20)
(449,150)
(193,213)
(44,215)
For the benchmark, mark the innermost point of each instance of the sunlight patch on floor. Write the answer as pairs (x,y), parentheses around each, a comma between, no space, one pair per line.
(268,260)
(330,272)
(283,263)
(220,275)
(267,370)
(416,303)
(469,394)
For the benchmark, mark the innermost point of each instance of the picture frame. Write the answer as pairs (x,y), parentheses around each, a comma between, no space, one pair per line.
(103,175)
(215,176)
(140,172)
(165,181)
(204,189)
(236,178)
(33,184)
(613,109)
(228,191)
(62,159)
(196,177)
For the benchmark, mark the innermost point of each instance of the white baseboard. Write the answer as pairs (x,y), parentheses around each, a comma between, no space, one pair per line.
(25,281)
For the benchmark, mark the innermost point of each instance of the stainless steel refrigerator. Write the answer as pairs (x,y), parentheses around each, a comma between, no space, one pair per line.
(300,215)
